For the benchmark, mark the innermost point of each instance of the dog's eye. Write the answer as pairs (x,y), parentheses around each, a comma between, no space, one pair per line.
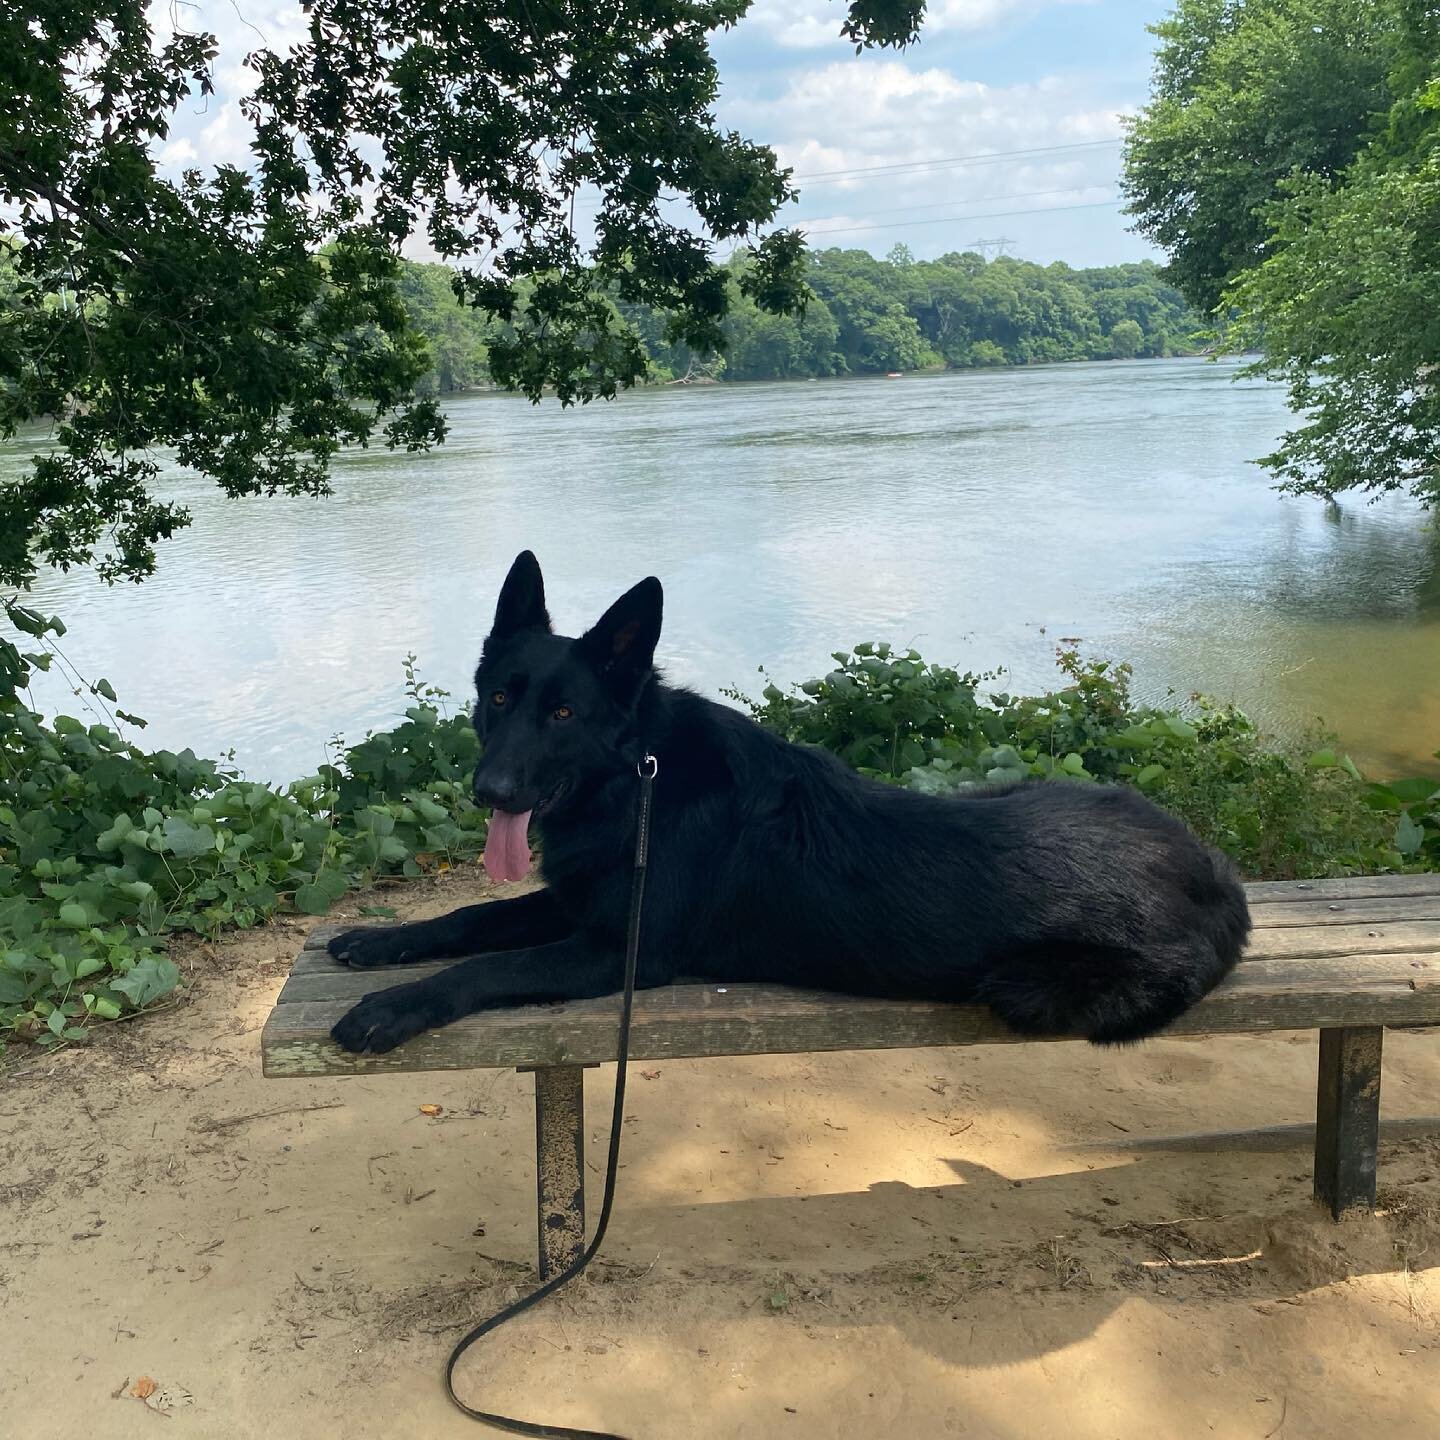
(498,697)
(563,712)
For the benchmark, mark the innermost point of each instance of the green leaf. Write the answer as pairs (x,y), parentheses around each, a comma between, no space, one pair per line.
(429,811)
(111,839)
(1412,791)
(333,883)
(312,900)
(1149,775)
(1408,835)
(75,916)
(103,687)
(385,912)
(187,840)
(151,977)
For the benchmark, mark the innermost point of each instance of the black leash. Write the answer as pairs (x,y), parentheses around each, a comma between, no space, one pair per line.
(648,768)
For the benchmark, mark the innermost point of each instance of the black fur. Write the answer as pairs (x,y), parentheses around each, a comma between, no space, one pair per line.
(1071,909)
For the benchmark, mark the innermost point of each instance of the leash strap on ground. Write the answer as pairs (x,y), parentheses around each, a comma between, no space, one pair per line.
(648,768)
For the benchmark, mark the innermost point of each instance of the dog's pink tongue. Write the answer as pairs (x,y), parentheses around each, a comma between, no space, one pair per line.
(507,853)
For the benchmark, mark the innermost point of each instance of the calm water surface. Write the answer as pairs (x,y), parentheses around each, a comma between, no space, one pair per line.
(980,517)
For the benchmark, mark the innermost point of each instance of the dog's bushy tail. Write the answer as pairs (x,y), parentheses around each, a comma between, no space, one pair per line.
(1115,994)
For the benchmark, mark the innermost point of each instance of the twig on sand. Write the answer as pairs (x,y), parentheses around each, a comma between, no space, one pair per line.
(1163,1224)
(1284,1407)
(226,1121)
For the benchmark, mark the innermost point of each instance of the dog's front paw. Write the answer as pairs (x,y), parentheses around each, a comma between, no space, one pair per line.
(380,1022)
(363,949)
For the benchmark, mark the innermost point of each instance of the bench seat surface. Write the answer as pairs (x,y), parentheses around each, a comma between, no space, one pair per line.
(1324,954)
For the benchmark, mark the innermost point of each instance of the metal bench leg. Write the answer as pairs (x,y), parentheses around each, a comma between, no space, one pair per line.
(560,1164)
(1347,1118)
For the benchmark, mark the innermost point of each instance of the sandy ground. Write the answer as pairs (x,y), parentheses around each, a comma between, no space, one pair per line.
(999,1242)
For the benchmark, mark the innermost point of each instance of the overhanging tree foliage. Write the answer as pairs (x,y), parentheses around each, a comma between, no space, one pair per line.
(1346,308)
(250,317)
(1245,94)
(1289,162)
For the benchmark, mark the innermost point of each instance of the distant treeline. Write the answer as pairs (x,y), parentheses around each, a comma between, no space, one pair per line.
(867,316)
(870,316)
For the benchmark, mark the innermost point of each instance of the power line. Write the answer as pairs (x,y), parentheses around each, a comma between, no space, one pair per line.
(938,205)
(902,169)
(951,219)
(988,157)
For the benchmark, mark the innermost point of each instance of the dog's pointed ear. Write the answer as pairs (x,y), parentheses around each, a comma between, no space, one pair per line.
(522,599)
(621,643)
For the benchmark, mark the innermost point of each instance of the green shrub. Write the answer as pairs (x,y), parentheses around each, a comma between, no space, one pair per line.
(106,850)
(1280,810)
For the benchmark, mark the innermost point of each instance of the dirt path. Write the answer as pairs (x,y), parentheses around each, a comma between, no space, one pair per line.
(999,1242)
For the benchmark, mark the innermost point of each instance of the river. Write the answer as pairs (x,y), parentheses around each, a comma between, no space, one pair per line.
(979,516)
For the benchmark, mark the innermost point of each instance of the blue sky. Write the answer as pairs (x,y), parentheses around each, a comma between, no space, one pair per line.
(989,78)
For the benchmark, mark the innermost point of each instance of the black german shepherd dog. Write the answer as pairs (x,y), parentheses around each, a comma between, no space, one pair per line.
(1070,909)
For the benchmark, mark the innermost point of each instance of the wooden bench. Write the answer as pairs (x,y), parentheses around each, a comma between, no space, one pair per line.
(1344,957)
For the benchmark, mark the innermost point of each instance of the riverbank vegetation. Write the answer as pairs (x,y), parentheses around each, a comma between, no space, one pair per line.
(864,316)
(109,851)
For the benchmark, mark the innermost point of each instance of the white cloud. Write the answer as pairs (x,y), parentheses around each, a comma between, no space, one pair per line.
(177,154)
(848,115)
(912,144)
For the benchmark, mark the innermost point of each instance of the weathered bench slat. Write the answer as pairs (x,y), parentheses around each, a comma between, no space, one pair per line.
(336,984)
(1287,916)
(1291,914)
(1317,941)
(1273,904)
(1354,887)
(696,1020)
(329,981)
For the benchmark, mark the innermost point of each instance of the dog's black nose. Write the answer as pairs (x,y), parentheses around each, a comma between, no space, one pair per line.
(498,790)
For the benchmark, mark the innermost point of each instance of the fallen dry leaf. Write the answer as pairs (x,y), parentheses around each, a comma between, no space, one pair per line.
(431,1109)
(143,1388)
(649,1074)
